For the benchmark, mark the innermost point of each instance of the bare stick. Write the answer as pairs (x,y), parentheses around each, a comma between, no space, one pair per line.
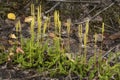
(96,14)
(80,1)
(51,9)
(108,52)
(102,10)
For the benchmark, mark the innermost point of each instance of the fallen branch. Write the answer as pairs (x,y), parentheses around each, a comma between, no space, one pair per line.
(80,1)
(90,19)
(51,9)
(108,52)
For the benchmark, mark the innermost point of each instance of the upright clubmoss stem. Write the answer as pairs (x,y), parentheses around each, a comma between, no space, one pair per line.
(86,39)
(56,20)
(80,33)
(95,52)
(103,29)
(39,21)
(32,31)
(68,31)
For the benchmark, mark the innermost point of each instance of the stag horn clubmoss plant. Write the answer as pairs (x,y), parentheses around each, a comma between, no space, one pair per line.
(44,57)
(56,20)
(57,23)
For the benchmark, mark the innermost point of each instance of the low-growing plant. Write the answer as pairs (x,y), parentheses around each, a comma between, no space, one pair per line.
(40,54)
(3,57)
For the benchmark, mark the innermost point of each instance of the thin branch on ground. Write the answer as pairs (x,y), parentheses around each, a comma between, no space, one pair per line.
(90,19)
(80,1)
(108,52)
(52,8)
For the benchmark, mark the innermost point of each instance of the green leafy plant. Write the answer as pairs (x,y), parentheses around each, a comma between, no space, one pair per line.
(52,58)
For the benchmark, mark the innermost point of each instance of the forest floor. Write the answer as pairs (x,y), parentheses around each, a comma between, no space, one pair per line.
(68,11)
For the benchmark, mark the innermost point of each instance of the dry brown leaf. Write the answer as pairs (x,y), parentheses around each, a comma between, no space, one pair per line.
(12,36)
(115,36)
(99,37)
(69,56)
(19,50)
(28,19)
(52,35)
(11,42)
(11,54)
(9,58)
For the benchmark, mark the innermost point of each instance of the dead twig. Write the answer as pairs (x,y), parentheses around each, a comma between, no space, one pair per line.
(38,75)
(80,1)
(90,19)
(52,8)
(108,52)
